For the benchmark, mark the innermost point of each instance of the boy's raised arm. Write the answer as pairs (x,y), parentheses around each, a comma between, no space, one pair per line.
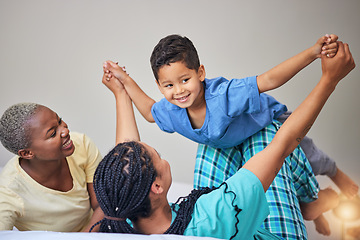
(283,72)
(141,100)
(266,164)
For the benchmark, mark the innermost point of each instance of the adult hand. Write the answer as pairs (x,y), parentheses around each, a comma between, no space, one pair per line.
(113,84)
(340,65)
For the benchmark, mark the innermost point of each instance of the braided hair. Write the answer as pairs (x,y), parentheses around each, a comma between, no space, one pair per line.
(186,208)
(122,184)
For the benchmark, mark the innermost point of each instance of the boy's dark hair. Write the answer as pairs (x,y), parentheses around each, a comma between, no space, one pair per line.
(174,48)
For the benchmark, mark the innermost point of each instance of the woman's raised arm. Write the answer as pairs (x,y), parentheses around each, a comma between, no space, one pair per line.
(267,163)
(126,128)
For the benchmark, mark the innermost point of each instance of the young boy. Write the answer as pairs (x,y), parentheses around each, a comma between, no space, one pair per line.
(218,112)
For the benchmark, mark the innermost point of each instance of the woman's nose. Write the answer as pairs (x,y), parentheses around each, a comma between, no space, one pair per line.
(64,131)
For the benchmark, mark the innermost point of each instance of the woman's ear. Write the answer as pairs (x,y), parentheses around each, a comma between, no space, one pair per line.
(26,154)
(156,188)
(201,73)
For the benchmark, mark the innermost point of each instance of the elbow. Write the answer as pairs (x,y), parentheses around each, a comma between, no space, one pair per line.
(264,83)
(149,118)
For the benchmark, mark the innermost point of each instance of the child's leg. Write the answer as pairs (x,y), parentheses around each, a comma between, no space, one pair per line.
(327,200)
(213,165)
(322,164)
(322,225)
(347,186)
(295,182)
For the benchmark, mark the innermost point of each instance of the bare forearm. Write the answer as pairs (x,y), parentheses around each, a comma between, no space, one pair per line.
(141,100)
(97,216)
(289,135)
(300,121)
(283,72)
(126,128)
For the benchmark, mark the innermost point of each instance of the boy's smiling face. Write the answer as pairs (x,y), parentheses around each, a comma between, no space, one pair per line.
(182,86)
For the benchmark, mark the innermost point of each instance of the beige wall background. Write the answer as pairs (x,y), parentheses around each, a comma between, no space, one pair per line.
(52,53)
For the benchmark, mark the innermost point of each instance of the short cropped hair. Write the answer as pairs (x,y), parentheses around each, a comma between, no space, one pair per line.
(14,134)
(171,49)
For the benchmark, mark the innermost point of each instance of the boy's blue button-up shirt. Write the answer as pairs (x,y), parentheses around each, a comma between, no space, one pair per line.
(234,111)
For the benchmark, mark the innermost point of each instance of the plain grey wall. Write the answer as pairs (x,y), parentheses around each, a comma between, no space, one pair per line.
(52,53)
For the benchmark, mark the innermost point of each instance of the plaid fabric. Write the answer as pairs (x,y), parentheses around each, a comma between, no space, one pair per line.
(294,183)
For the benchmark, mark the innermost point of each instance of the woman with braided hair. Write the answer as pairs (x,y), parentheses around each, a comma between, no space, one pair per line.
(132,181)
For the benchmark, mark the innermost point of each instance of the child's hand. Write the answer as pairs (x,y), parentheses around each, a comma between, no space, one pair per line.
(326,45)
(112,69)
(113,84)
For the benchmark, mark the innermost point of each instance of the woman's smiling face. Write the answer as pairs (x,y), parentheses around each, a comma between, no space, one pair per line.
(49,136)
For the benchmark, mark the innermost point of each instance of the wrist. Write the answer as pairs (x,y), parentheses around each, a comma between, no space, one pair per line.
(120,93)
(328,82)
(126,80)
(315,52)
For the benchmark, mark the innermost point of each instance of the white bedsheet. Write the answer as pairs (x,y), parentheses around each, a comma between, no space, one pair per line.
(42,235)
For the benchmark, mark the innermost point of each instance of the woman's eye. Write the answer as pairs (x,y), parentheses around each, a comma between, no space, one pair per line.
(53,134)
(60,121)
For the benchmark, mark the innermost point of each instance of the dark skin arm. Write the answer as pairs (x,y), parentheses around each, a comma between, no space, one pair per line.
(97,214)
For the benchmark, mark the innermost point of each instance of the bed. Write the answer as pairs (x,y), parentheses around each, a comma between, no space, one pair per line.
(43,235)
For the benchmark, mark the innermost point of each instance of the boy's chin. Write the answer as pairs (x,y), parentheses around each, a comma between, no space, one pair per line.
(181,105)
